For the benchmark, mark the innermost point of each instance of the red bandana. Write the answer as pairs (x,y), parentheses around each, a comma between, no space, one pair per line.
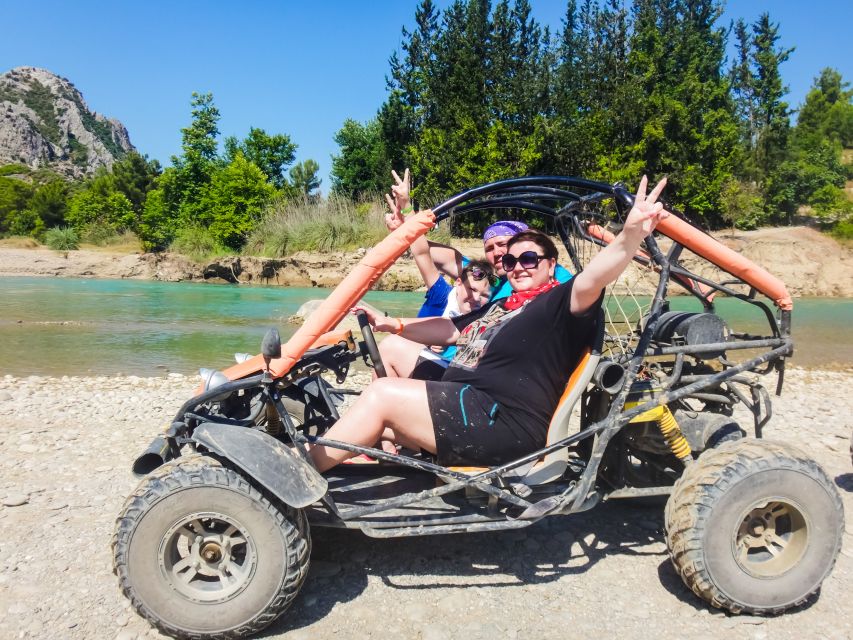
(519,298)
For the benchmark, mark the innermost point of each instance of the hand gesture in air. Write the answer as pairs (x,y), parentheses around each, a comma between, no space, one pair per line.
(647,212)
(399,201)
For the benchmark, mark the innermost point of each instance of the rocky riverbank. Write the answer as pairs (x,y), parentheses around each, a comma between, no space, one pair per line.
(808,262)
(68,444)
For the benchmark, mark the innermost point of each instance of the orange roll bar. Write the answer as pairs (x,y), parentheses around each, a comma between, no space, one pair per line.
(727,259)
(351,289)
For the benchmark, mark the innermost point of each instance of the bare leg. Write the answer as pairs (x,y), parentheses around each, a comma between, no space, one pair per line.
(389,407)
(399,355)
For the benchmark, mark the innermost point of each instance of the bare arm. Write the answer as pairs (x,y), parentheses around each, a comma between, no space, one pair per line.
(612,260)
(446,259)
(436,331)
(420,247)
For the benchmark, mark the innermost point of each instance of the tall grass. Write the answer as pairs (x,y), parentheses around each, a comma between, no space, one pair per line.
(62,239)
(326,225)
(198,244)
(19,242)
(108,240)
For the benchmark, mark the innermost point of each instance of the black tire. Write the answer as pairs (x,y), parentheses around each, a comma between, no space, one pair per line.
(754,526)
(721,429)
(201,553)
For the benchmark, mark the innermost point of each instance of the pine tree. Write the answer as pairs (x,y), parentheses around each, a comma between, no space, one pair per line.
(772,116)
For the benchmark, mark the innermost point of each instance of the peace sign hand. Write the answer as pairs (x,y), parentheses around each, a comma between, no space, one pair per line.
(647,212)
(399,201)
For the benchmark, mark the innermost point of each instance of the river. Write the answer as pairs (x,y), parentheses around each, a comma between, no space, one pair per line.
(67,326)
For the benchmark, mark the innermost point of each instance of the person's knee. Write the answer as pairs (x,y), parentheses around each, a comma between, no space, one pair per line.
(378,393)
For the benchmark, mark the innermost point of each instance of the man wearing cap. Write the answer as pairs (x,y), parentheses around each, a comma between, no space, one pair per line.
(404,358)
(451,262)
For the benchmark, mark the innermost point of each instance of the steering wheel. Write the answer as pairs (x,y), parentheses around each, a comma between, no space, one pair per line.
(370,343)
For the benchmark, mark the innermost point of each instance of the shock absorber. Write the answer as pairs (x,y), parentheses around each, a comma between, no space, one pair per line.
(274,425)
(643,391)
(674,438)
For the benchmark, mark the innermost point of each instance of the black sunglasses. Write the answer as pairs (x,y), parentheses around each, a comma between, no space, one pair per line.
(527,260)
(478,274)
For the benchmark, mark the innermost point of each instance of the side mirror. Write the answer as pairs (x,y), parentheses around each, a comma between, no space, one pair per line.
(271,345)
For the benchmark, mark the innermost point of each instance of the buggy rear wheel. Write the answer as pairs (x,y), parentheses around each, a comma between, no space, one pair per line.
(201,553)
(754,526)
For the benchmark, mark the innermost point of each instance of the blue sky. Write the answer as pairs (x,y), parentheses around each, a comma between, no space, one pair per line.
(299,68)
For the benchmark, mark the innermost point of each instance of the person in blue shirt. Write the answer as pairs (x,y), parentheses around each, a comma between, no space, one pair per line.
(472,288)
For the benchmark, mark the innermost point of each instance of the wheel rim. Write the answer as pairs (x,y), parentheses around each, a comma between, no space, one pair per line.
(771,538)
(207,557)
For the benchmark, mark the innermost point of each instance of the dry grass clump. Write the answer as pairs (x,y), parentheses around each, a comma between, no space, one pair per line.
(305,224)
(19,242)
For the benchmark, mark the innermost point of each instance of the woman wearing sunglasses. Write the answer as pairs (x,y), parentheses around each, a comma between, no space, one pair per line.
(514,358)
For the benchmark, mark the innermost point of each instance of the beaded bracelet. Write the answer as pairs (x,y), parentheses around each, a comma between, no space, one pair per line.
(400,327)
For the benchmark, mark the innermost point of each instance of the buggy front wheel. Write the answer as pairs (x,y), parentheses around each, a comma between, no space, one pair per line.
(201,553)
(754,526)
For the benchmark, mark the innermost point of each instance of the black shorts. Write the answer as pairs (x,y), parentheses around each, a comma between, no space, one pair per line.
(429,366)
(471,428)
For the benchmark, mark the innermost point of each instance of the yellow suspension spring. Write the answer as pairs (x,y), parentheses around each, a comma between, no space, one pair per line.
(674,438)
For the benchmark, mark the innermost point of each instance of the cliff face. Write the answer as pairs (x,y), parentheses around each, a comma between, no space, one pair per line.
(44,122)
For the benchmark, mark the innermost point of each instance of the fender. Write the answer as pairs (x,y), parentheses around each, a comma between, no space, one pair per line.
(278,469)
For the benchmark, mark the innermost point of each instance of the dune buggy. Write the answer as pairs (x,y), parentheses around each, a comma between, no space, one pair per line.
(215,541)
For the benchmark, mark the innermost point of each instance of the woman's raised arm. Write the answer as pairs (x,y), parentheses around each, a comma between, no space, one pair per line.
(612,260)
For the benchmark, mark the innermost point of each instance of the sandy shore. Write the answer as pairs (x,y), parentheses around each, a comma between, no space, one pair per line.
(68,444)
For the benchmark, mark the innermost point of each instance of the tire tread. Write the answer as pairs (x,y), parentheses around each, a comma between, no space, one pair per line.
(202,470)
(698,490)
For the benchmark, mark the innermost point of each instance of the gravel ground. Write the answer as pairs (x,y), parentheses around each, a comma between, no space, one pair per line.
(68,444)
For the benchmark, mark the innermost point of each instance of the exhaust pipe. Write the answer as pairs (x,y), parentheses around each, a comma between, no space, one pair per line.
(609,376)
(158,453)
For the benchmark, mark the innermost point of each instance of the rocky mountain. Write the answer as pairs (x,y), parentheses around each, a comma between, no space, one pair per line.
(44,122)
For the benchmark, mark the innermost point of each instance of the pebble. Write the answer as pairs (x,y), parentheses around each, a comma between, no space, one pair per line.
(15,500)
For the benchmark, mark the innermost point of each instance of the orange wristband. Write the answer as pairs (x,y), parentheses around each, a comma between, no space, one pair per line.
(400,327)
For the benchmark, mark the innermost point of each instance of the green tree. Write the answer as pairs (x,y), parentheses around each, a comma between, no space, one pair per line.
(270,153)
(827,113)
(771,111)
(15,194)
(134,176)
(303,178)
(742,81)
(156,226)
(233,202)
(195,167)
(101,206)
(362,166)
(48,203)
(689,129)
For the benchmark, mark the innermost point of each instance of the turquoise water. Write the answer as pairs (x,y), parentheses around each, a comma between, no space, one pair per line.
(52,326)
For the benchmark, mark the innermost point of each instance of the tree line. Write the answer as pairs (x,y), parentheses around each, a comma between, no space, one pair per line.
(205,195)
(482,91)
(478,93)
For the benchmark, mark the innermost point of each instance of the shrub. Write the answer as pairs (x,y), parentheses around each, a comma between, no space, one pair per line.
(843,230)
(197,243)
(62,238)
